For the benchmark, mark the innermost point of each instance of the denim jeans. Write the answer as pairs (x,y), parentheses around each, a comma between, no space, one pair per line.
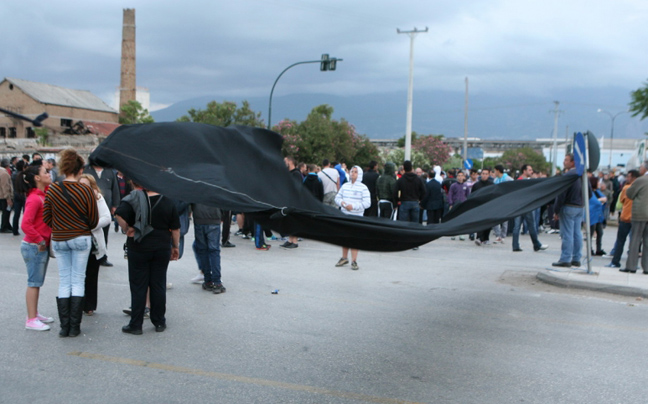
(571,218)
(619,245)
(72,258)
(533,232)
(207,251)
(409,211)
(36,262)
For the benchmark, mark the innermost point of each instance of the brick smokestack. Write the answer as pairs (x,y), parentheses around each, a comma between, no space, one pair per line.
(127,85)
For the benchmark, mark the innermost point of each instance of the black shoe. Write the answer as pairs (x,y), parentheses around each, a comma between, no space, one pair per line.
(228,245)
(63,305)
(6,231)
(105,263)
(208,286)
(76,315)
(645,272)
(517,250)
(130,330)
(218,289)
(287,244)
(562,264)
(600,253)
(575,263)
(16,234)
(632,271)
(160,327)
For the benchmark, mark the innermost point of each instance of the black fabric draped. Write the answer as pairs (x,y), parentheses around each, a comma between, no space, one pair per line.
(241,168)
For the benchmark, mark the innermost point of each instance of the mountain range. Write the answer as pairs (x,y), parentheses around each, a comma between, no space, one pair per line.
(490,116)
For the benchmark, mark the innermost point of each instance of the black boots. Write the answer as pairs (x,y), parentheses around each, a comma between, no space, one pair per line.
(76,314)
(64,315)
(70,311)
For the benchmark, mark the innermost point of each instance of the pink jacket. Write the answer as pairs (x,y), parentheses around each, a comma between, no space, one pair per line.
(33,225)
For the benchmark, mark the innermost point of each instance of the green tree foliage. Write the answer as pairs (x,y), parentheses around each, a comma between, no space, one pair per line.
(133,112)
(639,103)
(401,141)
(224,114)
(319,137)
(433,148)
(397,156)
(514,159)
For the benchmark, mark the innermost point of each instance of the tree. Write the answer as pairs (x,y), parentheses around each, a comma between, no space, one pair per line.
(515,158)
(433,148)
(639,103)
(401,141)
(133,112)
(224,114)
(319,137)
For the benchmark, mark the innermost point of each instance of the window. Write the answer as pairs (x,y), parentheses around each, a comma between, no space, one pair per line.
(29,132)
(3,132)
(66,123)
(12,133)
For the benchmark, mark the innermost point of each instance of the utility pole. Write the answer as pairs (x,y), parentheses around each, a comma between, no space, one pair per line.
(555,139)
(410,88)
(465,145)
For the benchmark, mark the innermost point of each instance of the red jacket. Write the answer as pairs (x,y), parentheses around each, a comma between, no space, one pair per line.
(33,225)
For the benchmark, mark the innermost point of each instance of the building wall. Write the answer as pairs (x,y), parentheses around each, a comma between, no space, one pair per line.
(17,101)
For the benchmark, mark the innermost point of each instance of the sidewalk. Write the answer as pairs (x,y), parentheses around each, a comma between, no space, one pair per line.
(602,279)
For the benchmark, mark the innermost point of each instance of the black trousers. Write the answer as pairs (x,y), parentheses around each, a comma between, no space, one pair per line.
(91,282)
(227,222)
(5,215)
(18,207)
(434,216)
(148,270)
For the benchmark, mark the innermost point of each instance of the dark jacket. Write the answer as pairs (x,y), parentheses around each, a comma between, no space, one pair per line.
(480,184)
(411,187)
(314,185)
(386,184)
(573,196)
(205,215)
(433,196)
(107,184)
(370,179)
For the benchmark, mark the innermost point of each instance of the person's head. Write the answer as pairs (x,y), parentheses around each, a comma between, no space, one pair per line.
(302,168)
(4,163)
(602,185)
(20,165)
(643,168)
(25,157)
(32,177)
(13,160)
(70,163)
(311,168)
(407,166)
(52,162)
(290,162)
(419,171)
(485,174)
(569,163)
(90,181)
(355,173)
(372,165)
(390,168)
(593,182)
(461,177)
(36,156)
(474,174)
(526,170)
(325,163)
(631,176)
(499,171)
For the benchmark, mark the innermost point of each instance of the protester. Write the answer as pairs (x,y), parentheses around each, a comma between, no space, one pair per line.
(638,193)
(597,215)
(353,199)
(99,247)
(33,183)
(152,225)
(207,221)
(18,197)
(625,221)
(386,191)
(71,211)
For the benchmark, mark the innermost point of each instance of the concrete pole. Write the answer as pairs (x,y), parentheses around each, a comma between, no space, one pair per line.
(554,152)
(465,145)
(410,90)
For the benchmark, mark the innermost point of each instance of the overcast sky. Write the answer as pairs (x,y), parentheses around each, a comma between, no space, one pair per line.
(238,48)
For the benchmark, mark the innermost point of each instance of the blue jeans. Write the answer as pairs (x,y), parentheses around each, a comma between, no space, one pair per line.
(409,211)
(207,251)
(259,240)
(72,258)
(571,218)
(36,262)
(533,231)
(619,245)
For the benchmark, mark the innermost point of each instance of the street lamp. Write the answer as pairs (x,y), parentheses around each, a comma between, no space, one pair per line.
(613,117)
(326,64)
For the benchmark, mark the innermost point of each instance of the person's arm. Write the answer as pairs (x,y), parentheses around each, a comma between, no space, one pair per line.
(175,244)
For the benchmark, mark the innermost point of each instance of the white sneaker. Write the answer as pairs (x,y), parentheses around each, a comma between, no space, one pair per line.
(169,285)
(44,319)
(198,279)
(36,325)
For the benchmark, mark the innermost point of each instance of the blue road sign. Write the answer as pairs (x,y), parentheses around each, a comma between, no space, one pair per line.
(580,153)
(468,164)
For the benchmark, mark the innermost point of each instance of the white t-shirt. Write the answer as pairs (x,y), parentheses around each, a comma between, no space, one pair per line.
(330,184)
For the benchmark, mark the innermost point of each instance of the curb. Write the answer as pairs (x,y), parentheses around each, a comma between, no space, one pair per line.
(552,279)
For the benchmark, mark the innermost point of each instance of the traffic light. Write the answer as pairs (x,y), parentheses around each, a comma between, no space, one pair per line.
(324,65)
(332,63)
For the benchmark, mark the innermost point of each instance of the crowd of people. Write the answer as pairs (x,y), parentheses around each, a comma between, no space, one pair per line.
(68,207)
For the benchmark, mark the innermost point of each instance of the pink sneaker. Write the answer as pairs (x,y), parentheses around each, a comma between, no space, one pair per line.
(44,319)
(36,325)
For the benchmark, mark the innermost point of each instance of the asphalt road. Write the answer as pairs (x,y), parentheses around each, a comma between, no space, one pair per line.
(449,323)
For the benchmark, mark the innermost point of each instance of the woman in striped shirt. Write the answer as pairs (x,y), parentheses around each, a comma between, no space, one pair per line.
(71,211)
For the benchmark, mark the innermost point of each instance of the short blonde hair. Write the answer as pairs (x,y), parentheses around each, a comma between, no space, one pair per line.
(92,181)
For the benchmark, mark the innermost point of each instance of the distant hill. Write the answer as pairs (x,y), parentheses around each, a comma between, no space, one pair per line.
(382,116)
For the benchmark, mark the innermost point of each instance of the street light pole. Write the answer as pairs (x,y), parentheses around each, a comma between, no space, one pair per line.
(613,117)
(325,63)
